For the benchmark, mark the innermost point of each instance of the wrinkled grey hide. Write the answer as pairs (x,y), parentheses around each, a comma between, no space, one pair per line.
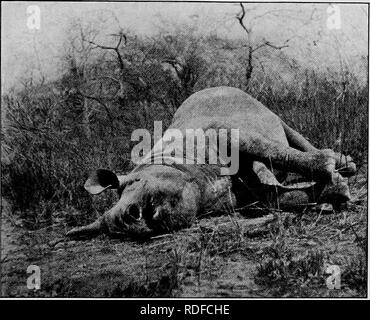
(277,167)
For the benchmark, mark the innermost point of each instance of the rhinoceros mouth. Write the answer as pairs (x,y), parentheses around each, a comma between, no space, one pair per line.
(139,215)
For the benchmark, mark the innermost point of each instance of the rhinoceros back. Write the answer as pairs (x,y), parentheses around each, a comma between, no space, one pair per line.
(229,108)
(219,102)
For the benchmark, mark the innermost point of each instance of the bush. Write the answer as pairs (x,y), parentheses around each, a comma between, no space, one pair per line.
(56,133)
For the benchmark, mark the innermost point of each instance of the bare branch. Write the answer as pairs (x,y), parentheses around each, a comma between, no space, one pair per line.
(121,36)
(276,13)
(99,45)
(241,18)
(276,46)
(99,100)
(115,49)
(229,47)
(271,45)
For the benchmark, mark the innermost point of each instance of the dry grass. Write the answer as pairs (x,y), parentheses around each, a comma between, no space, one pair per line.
(278,255)
(48,150)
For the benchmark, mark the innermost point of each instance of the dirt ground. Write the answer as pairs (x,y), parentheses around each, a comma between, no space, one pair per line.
(279,254)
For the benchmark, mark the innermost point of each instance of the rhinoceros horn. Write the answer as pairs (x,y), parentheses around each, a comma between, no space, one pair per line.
(97,182)
(89,231)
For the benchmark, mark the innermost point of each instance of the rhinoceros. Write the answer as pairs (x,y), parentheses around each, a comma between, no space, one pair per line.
(161,198)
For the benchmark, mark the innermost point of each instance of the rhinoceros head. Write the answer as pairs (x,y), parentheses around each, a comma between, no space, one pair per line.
(156,199)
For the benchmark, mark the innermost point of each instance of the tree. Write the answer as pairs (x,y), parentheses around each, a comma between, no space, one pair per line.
(186,61)
(253,43)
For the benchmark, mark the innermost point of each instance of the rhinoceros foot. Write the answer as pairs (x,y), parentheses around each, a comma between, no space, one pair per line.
(345,165)
(324,164)
(336,192)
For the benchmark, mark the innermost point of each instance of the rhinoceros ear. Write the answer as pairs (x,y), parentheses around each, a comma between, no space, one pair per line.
(101,180)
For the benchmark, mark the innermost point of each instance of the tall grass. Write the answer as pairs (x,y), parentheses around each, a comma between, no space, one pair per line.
(47,152)
(329,114)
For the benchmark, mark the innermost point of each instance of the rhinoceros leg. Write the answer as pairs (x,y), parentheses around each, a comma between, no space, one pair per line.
(267,178)
(317,165)
(344,164)
(295,195)
(299,194)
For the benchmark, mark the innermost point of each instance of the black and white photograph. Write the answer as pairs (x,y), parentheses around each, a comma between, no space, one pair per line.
(214,150)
